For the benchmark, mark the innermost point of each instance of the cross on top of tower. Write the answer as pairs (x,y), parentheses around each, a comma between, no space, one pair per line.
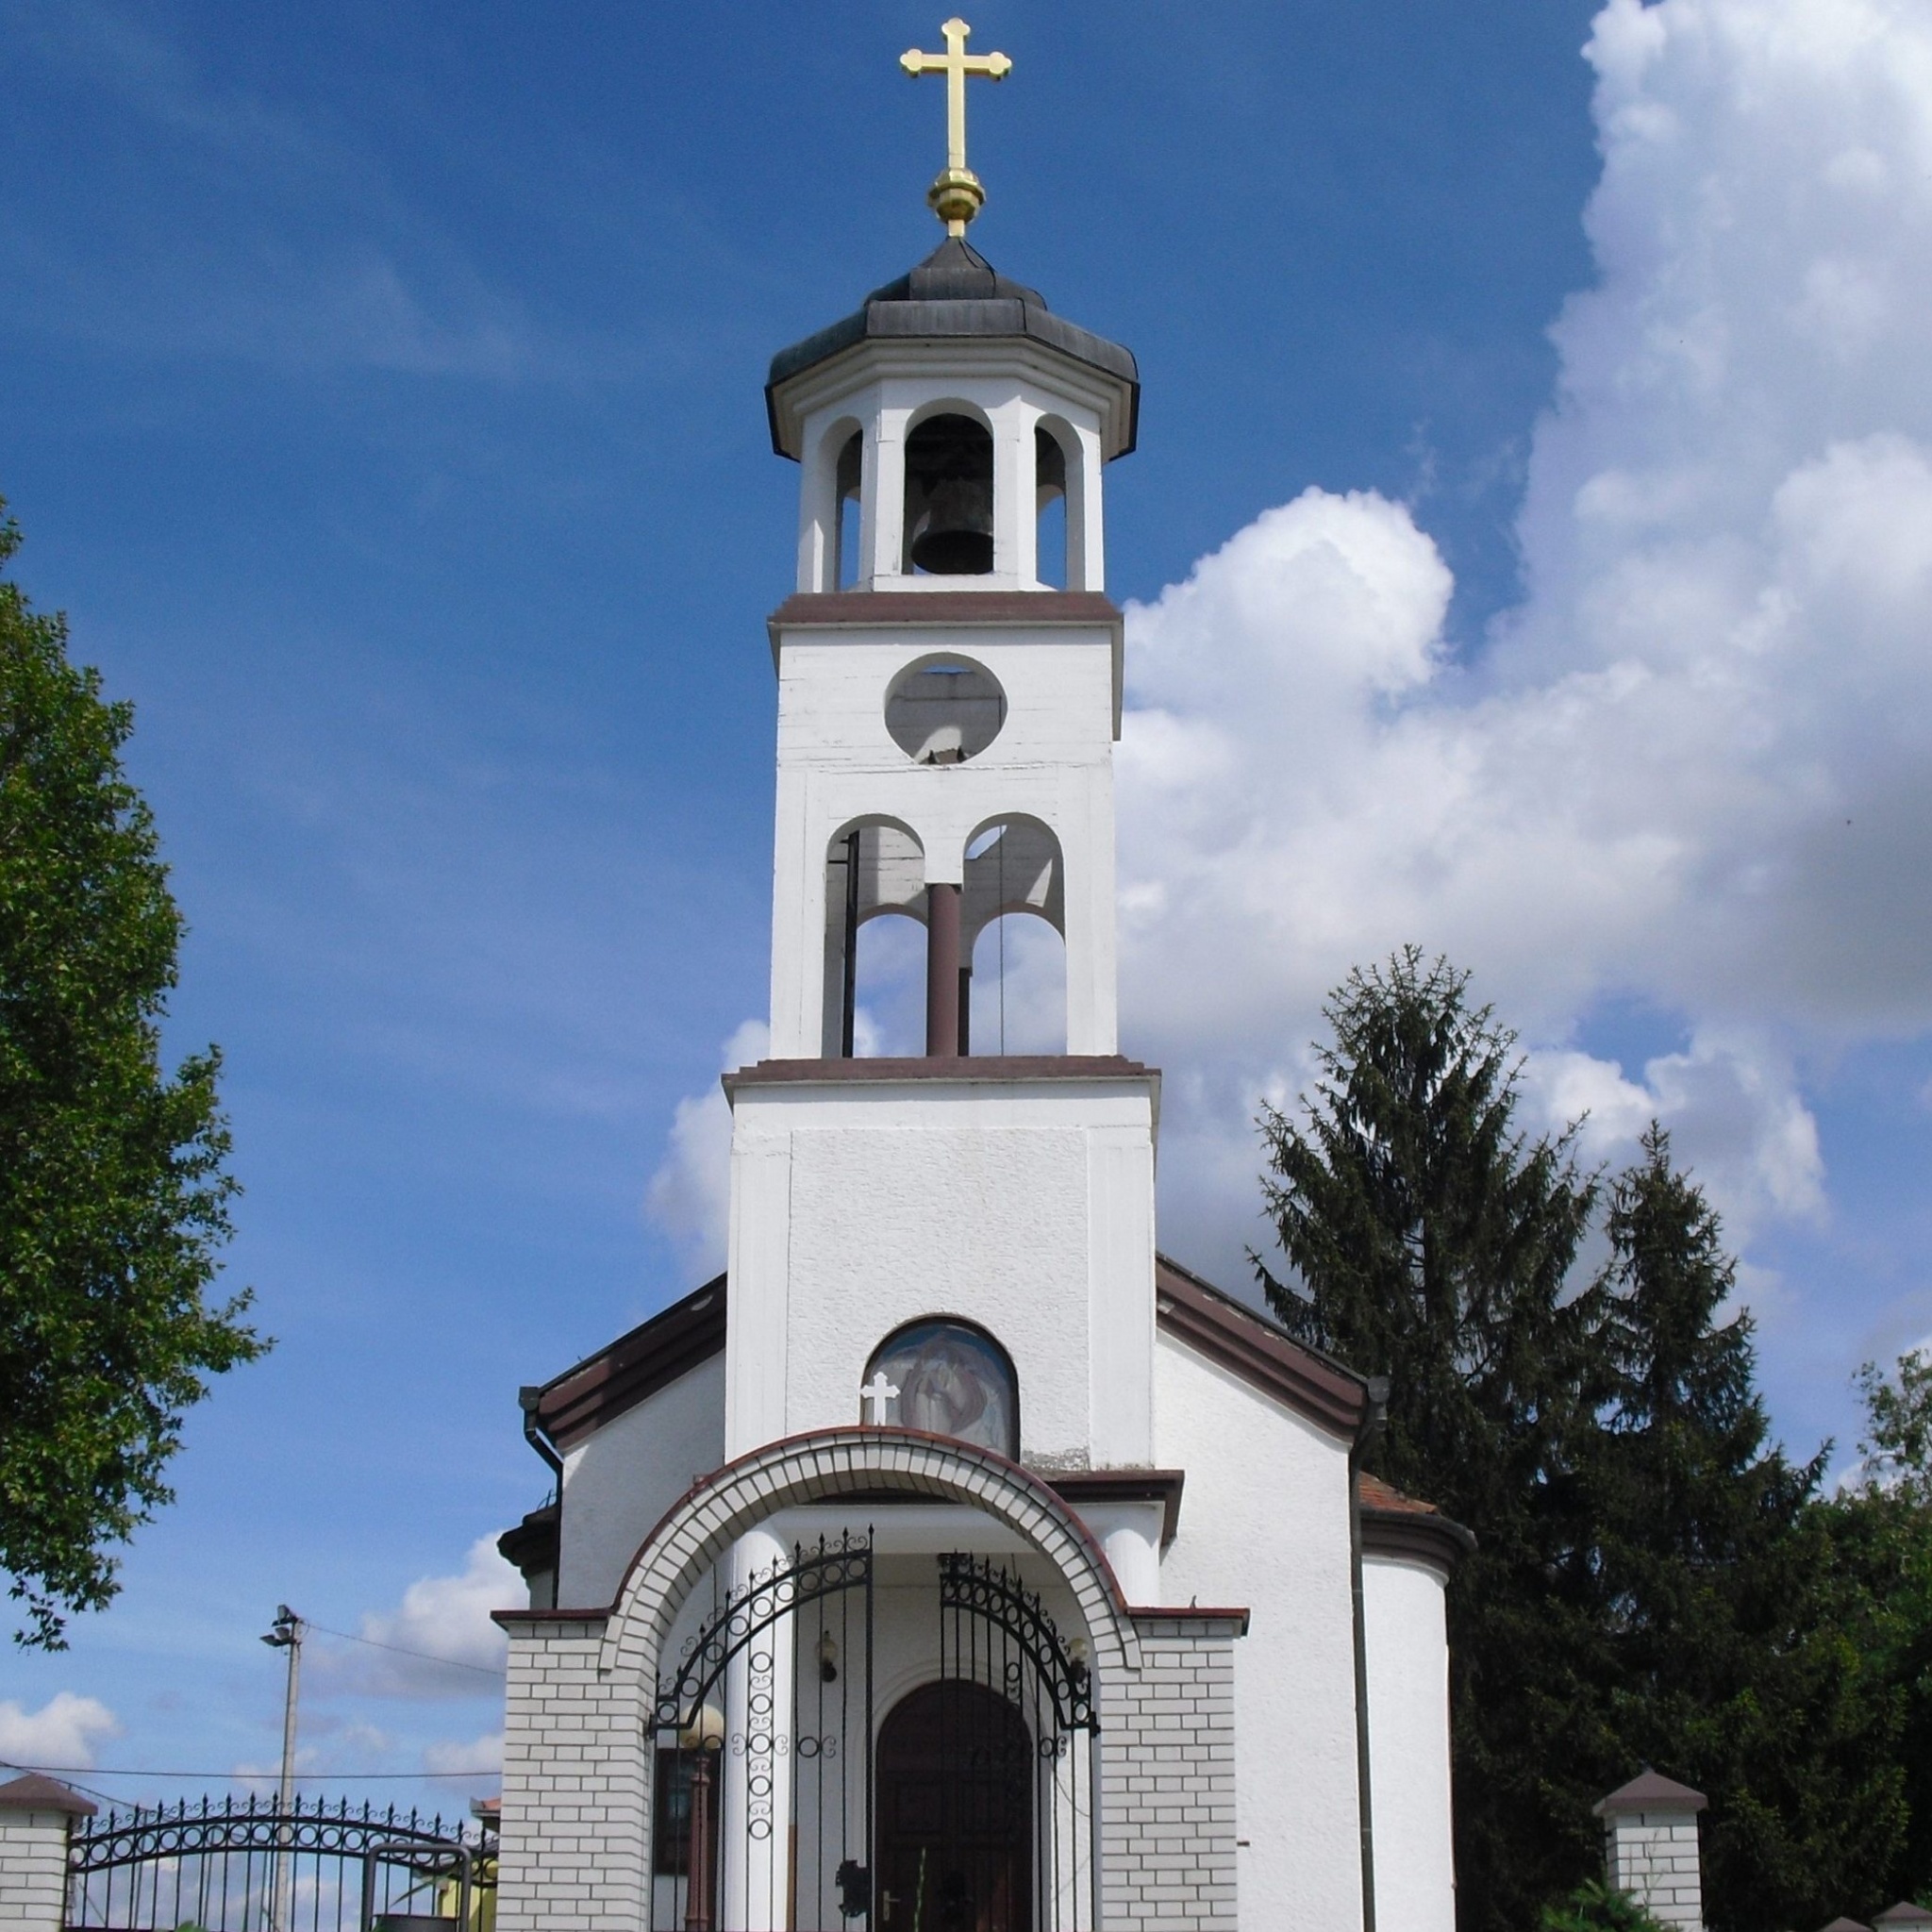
(955,196)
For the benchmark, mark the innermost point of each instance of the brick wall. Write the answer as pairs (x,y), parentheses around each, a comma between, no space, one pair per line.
(1653,1854)
(1167,1808)
(33,1870)
(575,1787)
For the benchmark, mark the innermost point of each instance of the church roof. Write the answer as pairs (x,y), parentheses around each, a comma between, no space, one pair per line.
(955,293)
(634,1367)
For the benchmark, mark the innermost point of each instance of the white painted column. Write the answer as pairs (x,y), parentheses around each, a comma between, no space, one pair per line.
(1650,1848)
(1015,514)
(756,1835)
(35,1816)
(882,523)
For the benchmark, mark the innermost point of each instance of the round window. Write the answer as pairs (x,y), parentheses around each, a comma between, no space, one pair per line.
(944,710)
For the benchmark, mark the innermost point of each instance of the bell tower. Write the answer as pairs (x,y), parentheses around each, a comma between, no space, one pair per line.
(949,696)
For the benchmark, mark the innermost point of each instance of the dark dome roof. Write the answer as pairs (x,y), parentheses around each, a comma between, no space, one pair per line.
(956,291)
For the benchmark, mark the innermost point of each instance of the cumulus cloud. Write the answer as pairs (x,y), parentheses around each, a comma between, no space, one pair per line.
(1692,772)
(484,1754)
(61,1733)
(439,1641)
(689,1194)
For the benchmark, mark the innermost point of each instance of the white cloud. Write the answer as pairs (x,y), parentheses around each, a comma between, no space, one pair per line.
(691,1193)
(484,1754)
(61,1733)
(438,1643)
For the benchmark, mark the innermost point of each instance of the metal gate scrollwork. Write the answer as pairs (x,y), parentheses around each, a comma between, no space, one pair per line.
(763,1792)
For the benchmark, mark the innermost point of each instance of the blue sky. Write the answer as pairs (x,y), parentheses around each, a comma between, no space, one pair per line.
(1526,557)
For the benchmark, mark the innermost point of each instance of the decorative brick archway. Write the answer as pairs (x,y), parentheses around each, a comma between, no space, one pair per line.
(821,1467)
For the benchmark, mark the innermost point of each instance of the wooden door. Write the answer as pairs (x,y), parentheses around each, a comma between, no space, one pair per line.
(954,1784)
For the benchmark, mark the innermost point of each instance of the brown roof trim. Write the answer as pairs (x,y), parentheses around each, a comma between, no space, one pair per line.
(1428,1538)
(601,1387)
(1233,1622)
(908,610)
(1266,1357)
(522,1619)
(531,1546)
(978,1066)
(1407,1528)
(1080,1487)
(35,1793)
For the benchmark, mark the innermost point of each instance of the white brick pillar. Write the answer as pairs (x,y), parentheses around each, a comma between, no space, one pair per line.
(36,1815)
(1650,1847)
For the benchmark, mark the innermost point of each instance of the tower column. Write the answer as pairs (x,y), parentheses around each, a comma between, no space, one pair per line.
(942,969)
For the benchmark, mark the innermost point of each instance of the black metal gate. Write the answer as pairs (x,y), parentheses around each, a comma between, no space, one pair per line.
(762,1816)
(1017,1826)
(253,1866)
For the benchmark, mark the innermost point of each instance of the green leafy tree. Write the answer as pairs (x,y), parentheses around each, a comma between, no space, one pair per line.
(1432,1242)
(1733,1645)
(1880,1529)
(113,1191)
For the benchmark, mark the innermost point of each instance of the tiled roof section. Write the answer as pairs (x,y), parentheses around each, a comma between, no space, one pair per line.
(601,1387)
(34,1793)
(1245,1341)
(1651,1790)
(1904,1913)
(1399,1525)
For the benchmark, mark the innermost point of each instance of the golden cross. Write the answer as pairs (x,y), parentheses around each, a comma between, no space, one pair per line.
(956,196)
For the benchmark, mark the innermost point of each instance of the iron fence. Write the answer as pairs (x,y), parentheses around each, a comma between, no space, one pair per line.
(250,1866)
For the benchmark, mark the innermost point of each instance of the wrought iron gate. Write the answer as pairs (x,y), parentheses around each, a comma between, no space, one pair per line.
(763,1792)
(1019,1740)
(781,1806)
(253,1866)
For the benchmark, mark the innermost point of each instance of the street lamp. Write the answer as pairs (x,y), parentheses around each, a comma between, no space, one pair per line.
(285,1633)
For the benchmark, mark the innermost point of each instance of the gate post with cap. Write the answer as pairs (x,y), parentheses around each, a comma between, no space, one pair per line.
(37,1817)
(1650,1847)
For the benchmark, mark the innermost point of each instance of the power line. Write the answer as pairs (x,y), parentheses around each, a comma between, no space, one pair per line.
(429,1656)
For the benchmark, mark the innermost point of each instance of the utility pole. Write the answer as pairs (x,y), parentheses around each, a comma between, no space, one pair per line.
(286,1634)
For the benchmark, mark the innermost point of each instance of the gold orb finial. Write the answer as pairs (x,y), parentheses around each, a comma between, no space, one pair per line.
(956,195)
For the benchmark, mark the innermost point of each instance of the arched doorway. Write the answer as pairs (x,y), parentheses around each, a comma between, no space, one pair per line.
(955,1785)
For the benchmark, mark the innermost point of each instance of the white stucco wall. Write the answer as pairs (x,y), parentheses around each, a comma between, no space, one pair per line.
(1265,1525)
(1407,1645)
(1053,760)
(1025,1207)
(620,1482)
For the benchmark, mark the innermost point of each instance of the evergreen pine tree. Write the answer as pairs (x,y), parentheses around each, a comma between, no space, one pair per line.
(1433,1242)
(1730,1643)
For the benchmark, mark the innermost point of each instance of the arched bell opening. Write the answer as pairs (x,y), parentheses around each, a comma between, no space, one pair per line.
(874,956)
(1050,465)
(846,484)
(949,497)
(1013,920)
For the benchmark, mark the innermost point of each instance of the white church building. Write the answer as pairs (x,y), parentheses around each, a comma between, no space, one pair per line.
(955,1562)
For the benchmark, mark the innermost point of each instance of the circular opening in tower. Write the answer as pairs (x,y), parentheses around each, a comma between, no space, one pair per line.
(944,710)
(949,497)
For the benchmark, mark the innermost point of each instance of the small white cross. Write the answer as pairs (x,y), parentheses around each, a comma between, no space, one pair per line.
(873,1397)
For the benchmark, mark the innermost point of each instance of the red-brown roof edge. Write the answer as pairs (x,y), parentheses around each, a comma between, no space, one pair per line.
(1242,1339)
(634,1367)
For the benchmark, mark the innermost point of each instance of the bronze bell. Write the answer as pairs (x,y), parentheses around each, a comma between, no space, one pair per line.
(949,479)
